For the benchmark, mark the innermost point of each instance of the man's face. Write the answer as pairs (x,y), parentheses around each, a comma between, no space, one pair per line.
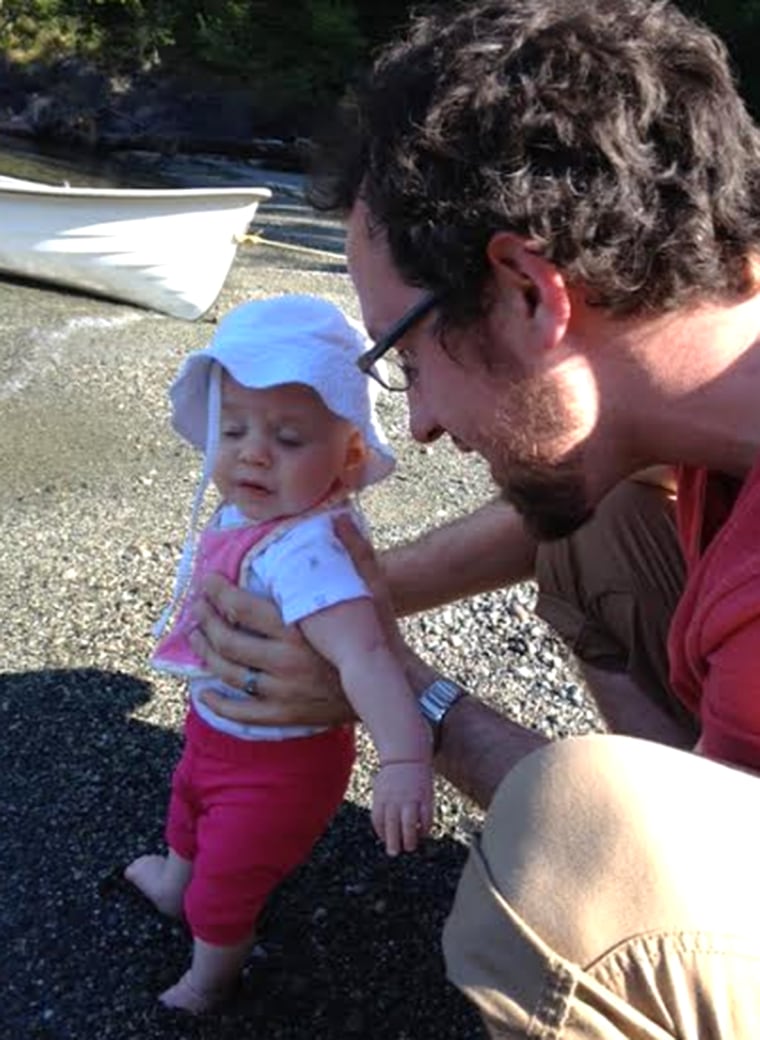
(483,388)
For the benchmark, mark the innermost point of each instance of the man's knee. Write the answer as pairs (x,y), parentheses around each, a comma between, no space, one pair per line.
(612,809)
(589,845)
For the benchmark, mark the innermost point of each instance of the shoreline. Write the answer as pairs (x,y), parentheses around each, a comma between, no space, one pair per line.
(75,105)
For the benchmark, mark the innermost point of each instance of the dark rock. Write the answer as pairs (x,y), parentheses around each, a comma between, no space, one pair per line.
(73,103)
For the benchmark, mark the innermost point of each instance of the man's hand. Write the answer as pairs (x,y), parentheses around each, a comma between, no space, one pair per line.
(239,633)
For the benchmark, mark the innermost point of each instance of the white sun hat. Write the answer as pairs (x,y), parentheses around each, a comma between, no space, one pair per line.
(285,339)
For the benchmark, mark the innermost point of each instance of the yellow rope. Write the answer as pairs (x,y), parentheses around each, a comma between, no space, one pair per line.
(258,240)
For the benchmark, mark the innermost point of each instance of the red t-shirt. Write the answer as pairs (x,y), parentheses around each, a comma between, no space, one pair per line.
(714,641)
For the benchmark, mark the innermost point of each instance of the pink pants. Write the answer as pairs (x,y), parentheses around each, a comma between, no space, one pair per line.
(247,813)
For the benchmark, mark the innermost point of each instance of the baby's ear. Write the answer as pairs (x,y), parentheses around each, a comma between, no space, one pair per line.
(356,456)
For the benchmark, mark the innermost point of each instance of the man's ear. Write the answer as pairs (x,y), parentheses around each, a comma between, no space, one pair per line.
(355,458)
(517,267)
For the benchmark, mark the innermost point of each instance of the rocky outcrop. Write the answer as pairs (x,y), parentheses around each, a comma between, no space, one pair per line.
(74,104)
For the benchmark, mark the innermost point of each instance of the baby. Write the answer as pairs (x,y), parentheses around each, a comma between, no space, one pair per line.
(289,430)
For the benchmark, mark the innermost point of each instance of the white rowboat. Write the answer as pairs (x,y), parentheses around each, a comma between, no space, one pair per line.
(167,249)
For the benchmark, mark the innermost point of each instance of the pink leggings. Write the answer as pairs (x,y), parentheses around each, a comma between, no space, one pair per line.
(247,813)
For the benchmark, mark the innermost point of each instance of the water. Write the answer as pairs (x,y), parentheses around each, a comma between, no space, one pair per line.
(31,161)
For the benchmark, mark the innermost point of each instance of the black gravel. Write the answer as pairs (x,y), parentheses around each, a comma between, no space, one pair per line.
(347,948)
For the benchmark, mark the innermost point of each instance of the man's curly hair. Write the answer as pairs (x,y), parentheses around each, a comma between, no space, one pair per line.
(609,132)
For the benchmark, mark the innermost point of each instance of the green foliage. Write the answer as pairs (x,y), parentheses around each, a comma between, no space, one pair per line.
(37,30)
(129,31)
(293,53)
(297,51)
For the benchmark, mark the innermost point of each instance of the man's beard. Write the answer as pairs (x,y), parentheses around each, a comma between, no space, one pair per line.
(548,491)
(550,499)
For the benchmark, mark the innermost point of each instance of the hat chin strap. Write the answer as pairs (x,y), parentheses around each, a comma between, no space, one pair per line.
(185,566)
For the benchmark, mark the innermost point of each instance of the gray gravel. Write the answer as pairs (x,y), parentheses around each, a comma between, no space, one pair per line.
(93,504)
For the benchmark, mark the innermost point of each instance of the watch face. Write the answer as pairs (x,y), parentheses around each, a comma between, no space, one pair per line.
(439,697)
(435,701)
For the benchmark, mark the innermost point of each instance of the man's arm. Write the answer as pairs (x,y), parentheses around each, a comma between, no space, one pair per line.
(485,550)
(478,746)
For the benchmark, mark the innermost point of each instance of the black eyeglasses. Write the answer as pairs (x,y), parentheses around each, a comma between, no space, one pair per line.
(394,375)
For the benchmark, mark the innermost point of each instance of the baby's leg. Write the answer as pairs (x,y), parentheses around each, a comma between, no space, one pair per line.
(264,807)
(211,978)
(163,879)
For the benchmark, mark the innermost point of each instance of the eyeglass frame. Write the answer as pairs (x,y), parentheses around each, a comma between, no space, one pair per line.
(367,361)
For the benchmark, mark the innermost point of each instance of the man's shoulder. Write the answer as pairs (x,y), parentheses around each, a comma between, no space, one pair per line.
(728,577)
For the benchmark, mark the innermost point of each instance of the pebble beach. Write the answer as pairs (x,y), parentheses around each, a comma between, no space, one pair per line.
(94,501)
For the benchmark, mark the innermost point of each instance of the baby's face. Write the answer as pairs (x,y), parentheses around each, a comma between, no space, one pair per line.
(281,450)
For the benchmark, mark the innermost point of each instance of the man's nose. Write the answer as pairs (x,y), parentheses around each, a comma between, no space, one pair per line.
(422,424)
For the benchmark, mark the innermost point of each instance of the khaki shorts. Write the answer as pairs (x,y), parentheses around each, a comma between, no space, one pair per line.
(614,894)
(610,590)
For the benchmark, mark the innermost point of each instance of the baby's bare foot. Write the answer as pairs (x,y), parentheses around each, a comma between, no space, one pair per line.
(184,996)
(149,874)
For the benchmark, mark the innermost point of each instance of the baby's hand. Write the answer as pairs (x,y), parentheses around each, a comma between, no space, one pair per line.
(402,804)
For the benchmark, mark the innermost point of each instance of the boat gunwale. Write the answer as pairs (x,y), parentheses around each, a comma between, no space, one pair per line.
(32,188)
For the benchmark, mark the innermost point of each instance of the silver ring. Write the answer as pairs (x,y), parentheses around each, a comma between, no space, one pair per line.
(251,684)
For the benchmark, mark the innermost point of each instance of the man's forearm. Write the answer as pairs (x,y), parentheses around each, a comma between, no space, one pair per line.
(478,745)
(487,549)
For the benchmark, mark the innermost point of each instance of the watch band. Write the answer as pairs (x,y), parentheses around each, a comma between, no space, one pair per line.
(435,702)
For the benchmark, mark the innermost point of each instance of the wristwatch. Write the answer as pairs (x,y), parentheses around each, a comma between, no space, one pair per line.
(436,700)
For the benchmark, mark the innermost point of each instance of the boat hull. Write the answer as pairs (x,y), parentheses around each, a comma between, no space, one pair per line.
(166,249)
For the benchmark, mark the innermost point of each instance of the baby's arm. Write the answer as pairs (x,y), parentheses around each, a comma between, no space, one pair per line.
(350,635)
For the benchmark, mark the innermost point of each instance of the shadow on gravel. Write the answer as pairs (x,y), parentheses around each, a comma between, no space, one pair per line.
(349,946)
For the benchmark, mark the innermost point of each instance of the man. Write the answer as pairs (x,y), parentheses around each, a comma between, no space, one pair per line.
(554,220)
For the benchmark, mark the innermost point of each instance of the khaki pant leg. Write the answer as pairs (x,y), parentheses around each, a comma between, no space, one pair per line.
(610,590)
(613,895)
